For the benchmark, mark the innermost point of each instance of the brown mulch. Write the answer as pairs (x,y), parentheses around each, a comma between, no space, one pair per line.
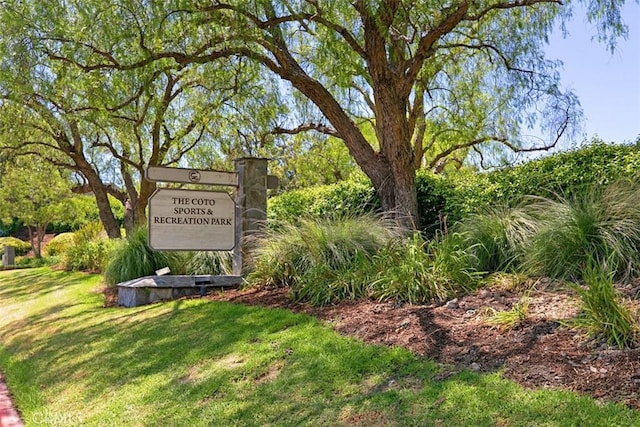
(537,353)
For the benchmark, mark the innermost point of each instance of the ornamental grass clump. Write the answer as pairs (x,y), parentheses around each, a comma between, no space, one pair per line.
(133,258)
(415,271)
(321,260)
(603,223)
(603,313)
(497,238)
(209,262)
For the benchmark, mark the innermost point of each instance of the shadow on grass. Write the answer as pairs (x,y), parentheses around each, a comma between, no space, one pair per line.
(23,284)
(197,362)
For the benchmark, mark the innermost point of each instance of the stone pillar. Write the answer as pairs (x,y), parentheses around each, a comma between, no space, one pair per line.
(251,206)
(9,256)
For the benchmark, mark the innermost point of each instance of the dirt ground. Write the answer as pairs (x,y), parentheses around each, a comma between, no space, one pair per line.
(537,353)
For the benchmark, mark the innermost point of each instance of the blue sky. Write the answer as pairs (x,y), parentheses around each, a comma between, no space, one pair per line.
(608,85)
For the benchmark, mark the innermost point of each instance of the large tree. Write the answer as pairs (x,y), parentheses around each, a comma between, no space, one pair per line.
(428,77)
(108,127)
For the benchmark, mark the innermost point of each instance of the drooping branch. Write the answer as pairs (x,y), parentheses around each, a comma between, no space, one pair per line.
(508,5)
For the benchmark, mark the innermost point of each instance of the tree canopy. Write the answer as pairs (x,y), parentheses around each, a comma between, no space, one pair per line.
(402,83)
(34,192)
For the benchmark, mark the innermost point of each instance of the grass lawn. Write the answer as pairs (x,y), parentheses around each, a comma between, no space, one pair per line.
(69,361)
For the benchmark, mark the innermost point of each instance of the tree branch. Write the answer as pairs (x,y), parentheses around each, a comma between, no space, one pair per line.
(319,127)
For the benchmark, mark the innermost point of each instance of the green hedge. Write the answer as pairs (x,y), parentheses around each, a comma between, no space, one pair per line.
(455,197)
(569,172)
(326,201)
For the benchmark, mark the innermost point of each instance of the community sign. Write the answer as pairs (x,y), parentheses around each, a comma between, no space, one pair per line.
(191,220)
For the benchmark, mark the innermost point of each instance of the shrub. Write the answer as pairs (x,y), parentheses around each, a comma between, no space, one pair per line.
(346,198)
(444,200)
(602,313)
(21,247)
(90,231)
(568,173)
(59,244)
(91,256)
(89,250)
(133,258)
(447,199)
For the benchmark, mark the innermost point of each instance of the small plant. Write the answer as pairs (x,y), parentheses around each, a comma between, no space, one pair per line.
(510,319)
(603,315)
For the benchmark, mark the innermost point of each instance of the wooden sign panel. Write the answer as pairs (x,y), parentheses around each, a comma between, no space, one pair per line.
(191,176)
(191,220)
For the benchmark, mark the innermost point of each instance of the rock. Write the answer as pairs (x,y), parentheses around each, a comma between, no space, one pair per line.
(453,304)
(475,366)
(469,313)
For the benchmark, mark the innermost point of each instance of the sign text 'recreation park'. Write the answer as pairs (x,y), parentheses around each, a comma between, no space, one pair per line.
(191,220)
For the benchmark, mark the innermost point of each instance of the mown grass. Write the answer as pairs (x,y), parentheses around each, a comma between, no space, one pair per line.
(69,361)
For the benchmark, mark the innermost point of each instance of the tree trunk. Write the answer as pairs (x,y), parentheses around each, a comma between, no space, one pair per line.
(140,207)
(32,240)
(75,151)
(129,224)
(391,170)
(107,217)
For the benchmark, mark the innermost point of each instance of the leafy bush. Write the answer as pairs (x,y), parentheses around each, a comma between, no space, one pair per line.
(59,244)
(91,256)
(21,247)
(90,231)
(133,258)
(89,250)
(10,227)
(569,173)
(602,313)
(445,200)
